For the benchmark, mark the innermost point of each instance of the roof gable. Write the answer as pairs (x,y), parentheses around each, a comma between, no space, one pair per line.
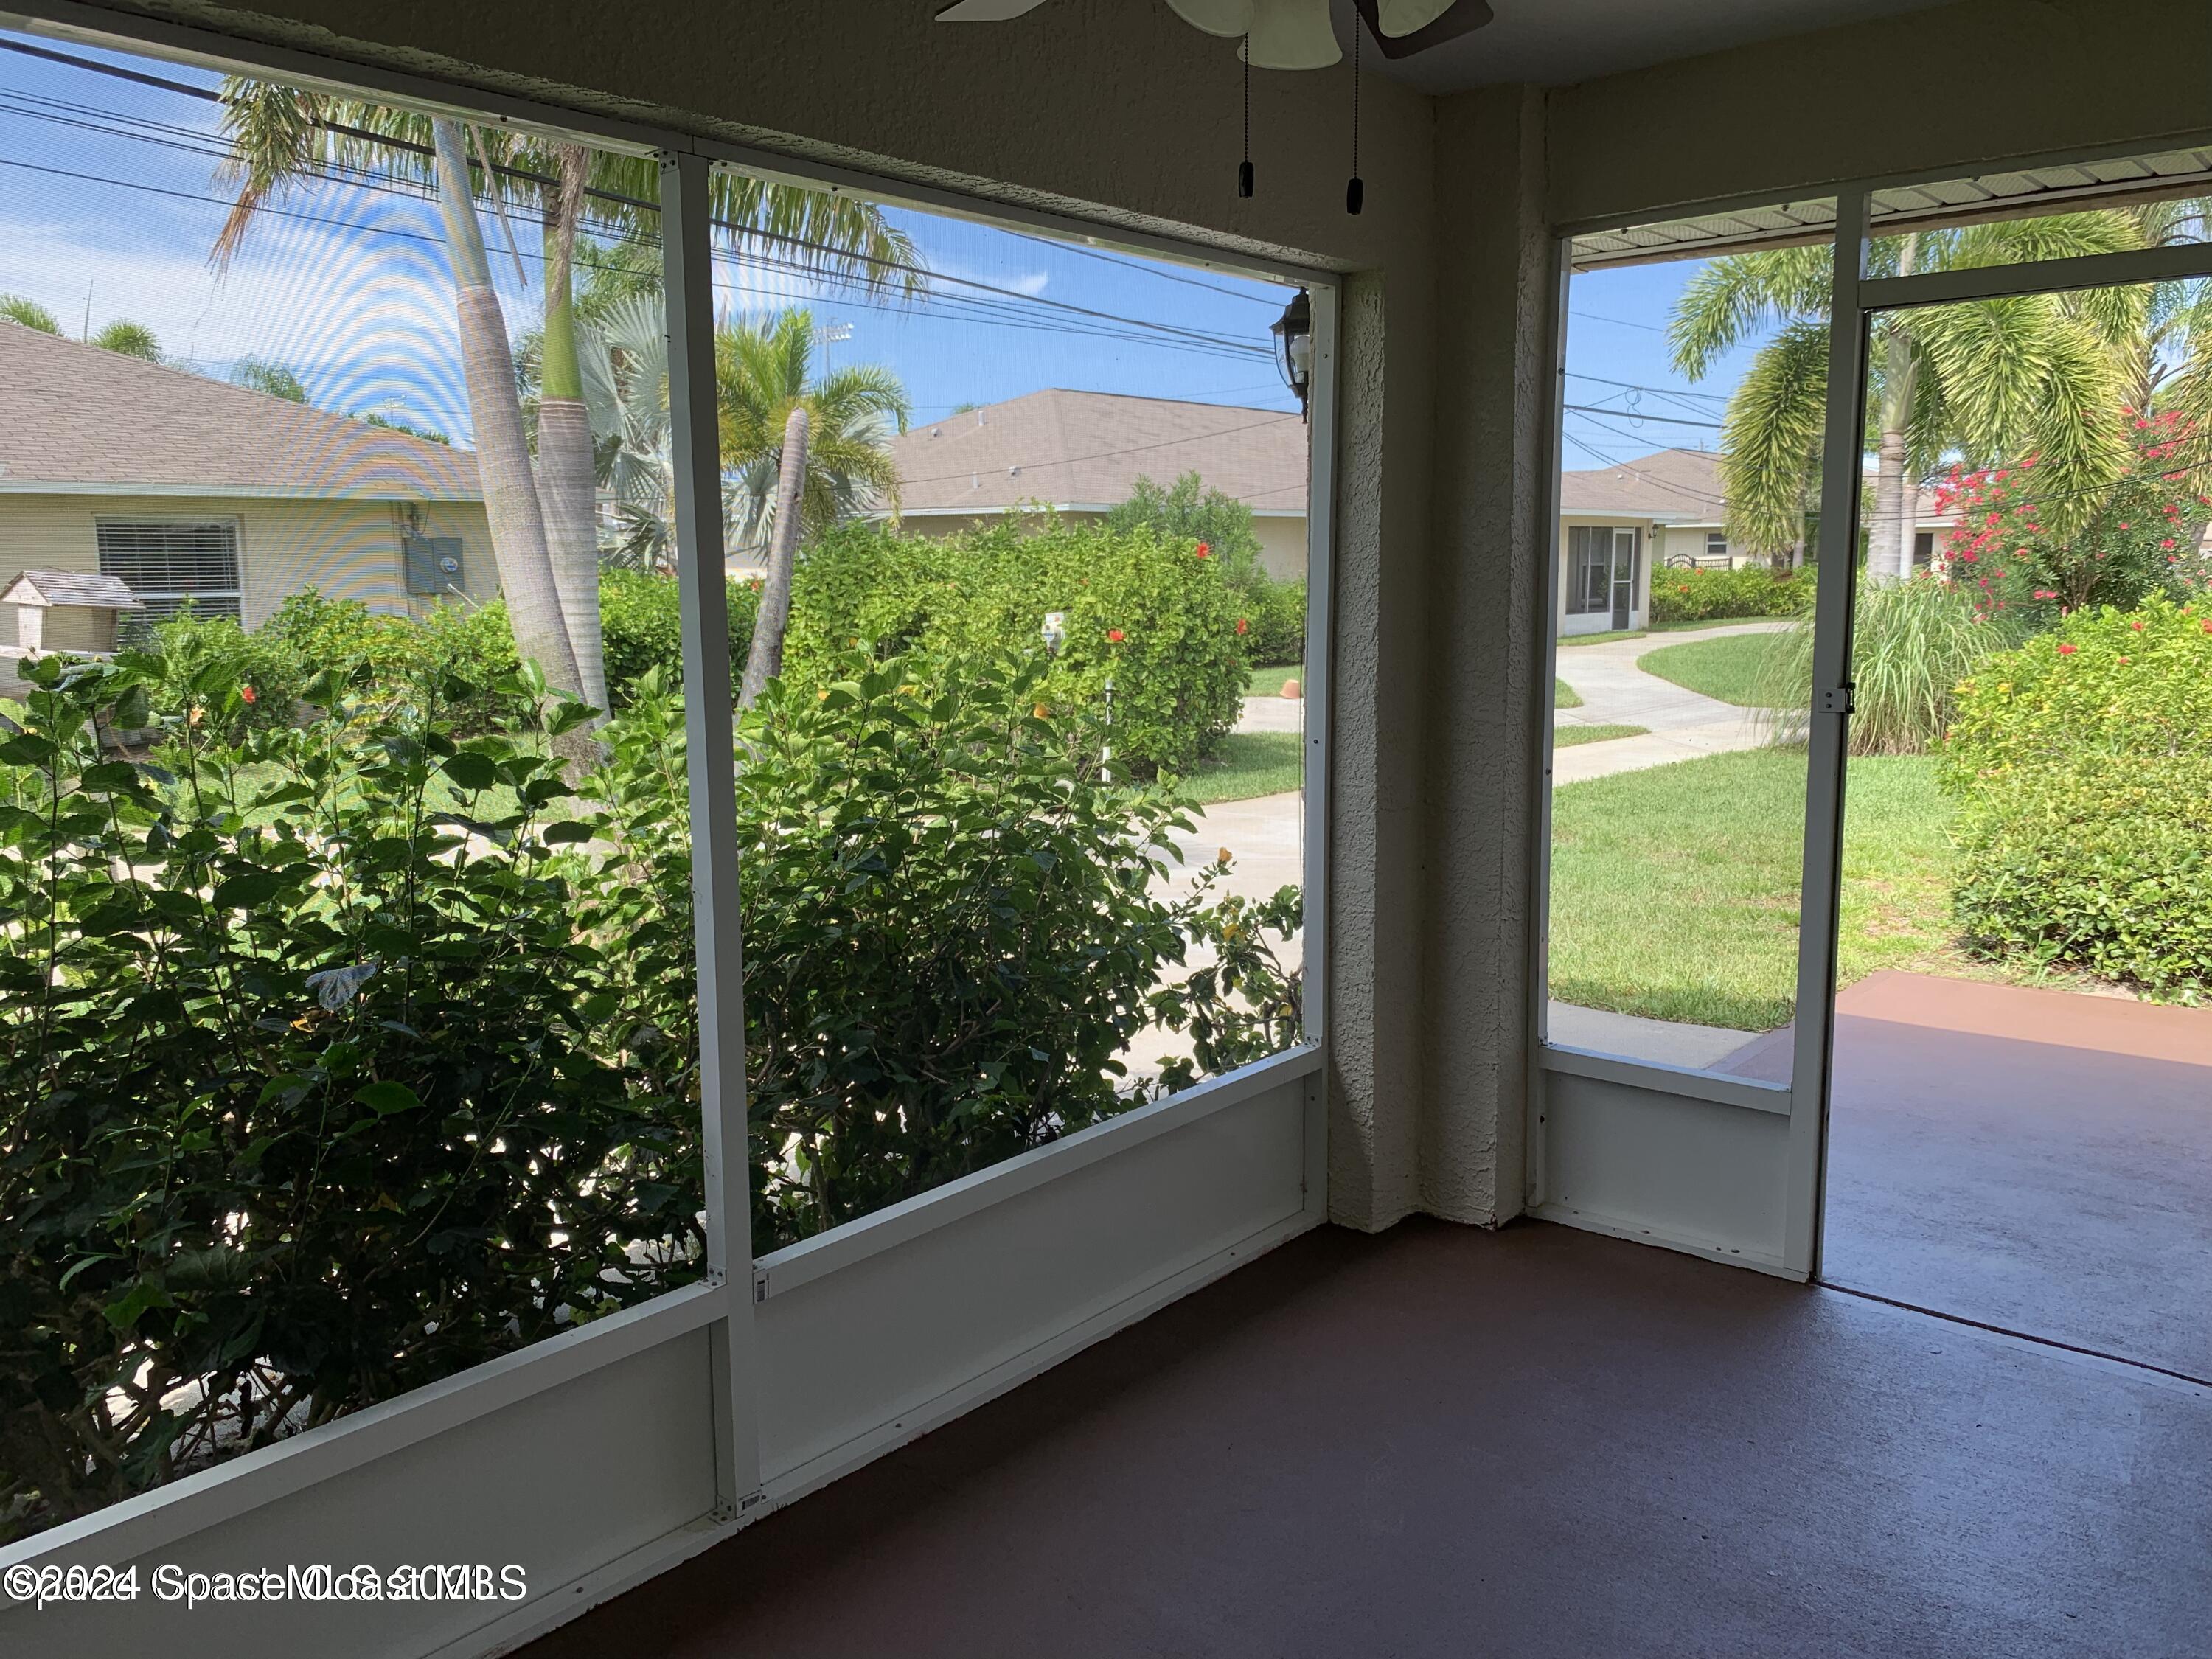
(1087,449)
(79,419)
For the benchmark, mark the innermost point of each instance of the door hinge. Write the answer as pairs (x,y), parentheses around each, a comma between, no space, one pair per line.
(1837,700)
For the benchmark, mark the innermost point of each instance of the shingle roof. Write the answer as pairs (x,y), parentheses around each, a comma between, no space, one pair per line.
(74,417)
(1087,449)
(51,587)
(1682,485)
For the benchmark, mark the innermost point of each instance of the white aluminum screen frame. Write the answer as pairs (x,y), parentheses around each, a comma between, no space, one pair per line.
(199,1511)
(1733,1120)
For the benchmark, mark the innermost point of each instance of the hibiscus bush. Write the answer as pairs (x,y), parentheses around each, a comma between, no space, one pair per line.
(339,1056)
(2082,762)
(2144,536)
(315,1086)
(1713,595)
(1151,615)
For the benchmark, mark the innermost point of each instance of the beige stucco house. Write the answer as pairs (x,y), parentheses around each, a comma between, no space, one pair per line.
(1080,453)
(189,489)
(1665,508)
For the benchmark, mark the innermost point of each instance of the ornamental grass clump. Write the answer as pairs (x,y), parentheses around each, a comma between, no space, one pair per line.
(1912,643)
(2082,762)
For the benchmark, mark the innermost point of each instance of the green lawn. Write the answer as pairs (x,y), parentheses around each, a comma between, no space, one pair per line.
(1727,668)
(1600,639)
(1566,737)
(1675,892)
(1251,764)
(1563,696)
(1268,682)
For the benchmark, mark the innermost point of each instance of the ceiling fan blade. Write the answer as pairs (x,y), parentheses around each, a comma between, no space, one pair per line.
(1232,19)
(1458,18)
(1399,17)
(986,11)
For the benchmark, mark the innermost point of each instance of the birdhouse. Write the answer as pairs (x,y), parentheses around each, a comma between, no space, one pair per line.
(37,591)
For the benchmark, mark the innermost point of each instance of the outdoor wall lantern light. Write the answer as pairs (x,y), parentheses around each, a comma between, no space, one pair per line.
(1293,332)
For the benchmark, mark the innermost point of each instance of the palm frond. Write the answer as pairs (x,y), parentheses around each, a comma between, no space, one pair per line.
(1733,298)
(1770,443)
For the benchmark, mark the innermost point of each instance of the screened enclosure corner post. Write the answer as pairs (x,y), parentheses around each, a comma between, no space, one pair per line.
(1318,668)
(1820,913)
(688,268)
(1551,422)
(1317,680)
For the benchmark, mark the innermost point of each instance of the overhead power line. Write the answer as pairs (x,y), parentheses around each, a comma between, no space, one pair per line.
(637,204)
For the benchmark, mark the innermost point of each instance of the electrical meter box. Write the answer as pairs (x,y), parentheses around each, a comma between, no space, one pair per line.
(433,564)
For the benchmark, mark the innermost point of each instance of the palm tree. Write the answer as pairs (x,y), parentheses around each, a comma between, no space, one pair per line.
(282,135)
(1987,380)
(131,339)
(762,372)
(18,308)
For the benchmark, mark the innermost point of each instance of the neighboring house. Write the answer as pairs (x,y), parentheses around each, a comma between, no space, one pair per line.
(1666,508)
(1080,454)
(192,490)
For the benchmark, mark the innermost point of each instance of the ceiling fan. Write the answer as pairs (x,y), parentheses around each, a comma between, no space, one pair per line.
(1286,34)
(1289,34)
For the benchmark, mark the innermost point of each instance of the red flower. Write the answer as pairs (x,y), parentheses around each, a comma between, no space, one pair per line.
(2169,542)
(2125,524)
(2206,624)
(1244,626)
(2068,650)
(1115,634)
(2137,626)
(1204,551)
(249,694)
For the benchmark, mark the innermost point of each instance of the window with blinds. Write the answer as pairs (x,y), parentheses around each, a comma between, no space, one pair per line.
(170,564)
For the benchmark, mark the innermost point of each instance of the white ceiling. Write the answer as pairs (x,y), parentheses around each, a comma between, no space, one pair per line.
(1558,42)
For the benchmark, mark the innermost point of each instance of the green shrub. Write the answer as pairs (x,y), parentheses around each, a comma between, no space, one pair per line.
(1912,643)
(269,672)
(470,645)
(1713,595)
(1154,617)
(1277,620)
(949,930)
(315,1092)
(345,1054)
(2082,761)
(641,629)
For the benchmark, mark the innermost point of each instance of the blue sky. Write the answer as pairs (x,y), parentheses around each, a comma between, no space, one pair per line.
(108,209)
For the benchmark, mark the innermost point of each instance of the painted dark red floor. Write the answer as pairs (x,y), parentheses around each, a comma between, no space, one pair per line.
(1538,1443)
(2039,1160)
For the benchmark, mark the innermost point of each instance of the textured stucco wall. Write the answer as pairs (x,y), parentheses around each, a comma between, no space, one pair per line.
(1120,112)
(1952,88)
(1494,330)
(342,550)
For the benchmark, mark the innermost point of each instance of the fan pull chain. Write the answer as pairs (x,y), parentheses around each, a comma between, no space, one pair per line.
(1244,168)
(1355,191)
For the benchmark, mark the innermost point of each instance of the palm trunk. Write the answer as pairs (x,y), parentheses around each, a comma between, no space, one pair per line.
(518,527)
(764,660)
(567,468)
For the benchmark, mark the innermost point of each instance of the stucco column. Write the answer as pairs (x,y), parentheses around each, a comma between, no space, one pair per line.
(1487,591)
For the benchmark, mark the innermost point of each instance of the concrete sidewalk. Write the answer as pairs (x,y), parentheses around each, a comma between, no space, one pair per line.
(1680,724)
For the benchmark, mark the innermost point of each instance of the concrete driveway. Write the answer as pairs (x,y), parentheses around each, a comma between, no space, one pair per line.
(1681,723)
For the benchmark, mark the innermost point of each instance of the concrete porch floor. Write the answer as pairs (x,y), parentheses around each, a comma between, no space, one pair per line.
(2039,1160)
(1439,1441)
